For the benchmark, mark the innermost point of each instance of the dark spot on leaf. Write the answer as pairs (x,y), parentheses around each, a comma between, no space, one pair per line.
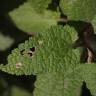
(22,52)
(30,53)
(32,49)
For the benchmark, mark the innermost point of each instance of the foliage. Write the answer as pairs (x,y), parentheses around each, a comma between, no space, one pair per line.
(48,54)
(40,5)
(33,21)
(79,10)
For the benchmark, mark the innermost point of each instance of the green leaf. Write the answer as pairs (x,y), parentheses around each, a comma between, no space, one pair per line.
(56,84)
(53,53)
(67,84)
(84,10)
(85,73)
(89,76)
(3,40)
(27,19)
(55,63)
(40,5)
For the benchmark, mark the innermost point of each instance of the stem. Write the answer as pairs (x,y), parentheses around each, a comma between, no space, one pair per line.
(90,56)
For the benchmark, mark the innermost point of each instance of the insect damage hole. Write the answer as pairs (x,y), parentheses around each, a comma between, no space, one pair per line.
(22,52)
(32,49)
(28,52)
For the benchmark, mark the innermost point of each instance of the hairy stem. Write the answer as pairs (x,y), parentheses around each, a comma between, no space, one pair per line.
(90,56)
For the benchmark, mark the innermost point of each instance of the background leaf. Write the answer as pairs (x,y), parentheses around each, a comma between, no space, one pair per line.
(40,5)
(89,76)
(28,20)
(3,40)
(83,10)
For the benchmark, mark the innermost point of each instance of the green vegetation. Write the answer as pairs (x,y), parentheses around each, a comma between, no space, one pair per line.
(48,54)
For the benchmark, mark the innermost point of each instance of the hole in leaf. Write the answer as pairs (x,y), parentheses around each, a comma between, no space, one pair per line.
(30,53)
(26,53)
(22,52)
(32,49)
